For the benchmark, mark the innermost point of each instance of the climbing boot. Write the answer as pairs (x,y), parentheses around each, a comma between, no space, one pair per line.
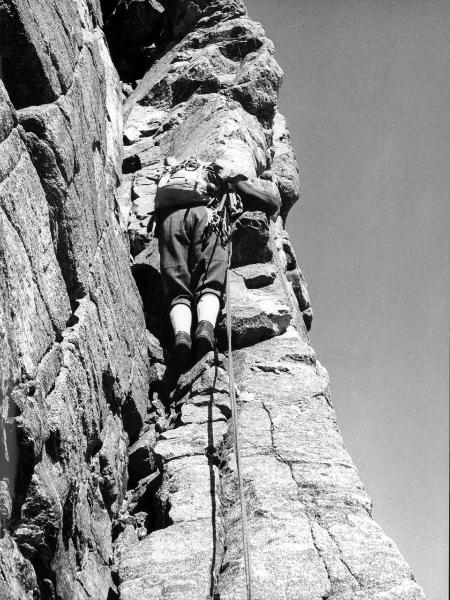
(182,350)
(204,339)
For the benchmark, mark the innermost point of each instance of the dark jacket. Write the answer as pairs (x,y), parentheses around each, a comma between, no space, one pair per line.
(254,199)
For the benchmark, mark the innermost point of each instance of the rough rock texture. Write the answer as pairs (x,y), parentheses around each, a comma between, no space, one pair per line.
(118,474)
(74,354)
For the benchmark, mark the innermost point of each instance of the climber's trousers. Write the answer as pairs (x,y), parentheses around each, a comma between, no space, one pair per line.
(190,266)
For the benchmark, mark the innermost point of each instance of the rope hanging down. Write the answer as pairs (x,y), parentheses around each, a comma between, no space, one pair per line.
(237,445)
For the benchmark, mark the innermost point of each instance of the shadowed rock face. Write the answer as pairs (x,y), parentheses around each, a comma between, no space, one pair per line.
(118,475)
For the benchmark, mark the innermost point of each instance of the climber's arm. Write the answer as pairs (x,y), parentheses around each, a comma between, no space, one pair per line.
(254,199)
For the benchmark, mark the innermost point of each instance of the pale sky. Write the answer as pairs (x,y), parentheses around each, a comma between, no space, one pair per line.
(367,102)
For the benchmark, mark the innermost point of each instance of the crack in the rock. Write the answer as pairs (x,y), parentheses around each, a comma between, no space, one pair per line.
(83,585)
(321,556)
(275,451)
(340,557)
(341,554)
(309,513)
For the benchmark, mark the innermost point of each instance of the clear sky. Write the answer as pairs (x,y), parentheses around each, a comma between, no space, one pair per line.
(366,96)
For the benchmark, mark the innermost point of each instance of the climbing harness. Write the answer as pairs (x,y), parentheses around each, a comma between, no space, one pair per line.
(237,441)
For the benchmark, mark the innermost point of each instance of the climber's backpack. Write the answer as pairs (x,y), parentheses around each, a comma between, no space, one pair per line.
(185,184)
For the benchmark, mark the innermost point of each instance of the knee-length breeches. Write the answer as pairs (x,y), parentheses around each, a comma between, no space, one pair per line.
(190,266)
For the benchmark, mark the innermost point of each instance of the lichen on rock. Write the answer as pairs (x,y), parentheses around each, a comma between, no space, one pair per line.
(120,474)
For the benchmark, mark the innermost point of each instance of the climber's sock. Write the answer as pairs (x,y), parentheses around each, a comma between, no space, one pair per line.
(208,308)
(181,318)
(204,338)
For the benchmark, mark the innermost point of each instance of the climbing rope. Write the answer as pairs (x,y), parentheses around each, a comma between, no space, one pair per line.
(237,442)
(221,225)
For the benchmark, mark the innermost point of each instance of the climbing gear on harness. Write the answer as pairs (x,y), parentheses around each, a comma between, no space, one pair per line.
(204,339)
(237,443)
(189,183)
(222,216)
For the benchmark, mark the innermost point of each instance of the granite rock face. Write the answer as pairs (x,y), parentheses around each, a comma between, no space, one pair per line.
(74,354)
(118,474)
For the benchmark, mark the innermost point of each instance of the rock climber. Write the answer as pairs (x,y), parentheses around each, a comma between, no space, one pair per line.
(194,250)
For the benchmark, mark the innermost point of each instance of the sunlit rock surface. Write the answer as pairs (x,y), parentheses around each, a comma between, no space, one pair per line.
(120,473)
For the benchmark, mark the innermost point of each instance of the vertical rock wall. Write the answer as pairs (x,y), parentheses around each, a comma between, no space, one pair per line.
(121,472)
(73,342)
(213,93)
